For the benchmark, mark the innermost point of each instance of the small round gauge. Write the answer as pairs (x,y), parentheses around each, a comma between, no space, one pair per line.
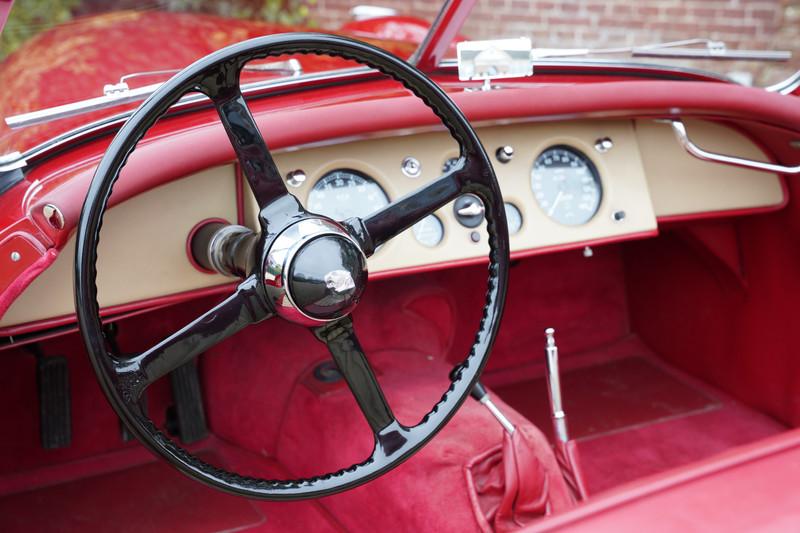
(566,185)
(344,193)
(428,231)
(514,218)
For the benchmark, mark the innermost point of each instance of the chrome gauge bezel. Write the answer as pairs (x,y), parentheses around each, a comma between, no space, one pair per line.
(360,174)
(593,171)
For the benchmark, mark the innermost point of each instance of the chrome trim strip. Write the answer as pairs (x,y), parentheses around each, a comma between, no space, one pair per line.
(680,133)
(134,95)
(611,64)
(12,161)
(247,89)
(787,86)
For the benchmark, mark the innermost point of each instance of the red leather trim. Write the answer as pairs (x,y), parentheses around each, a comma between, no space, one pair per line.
(25,278)
(190,237)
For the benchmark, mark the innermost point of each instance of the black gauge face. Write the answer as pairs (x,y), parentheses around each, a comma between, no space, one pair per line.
(566,185)
(343,194)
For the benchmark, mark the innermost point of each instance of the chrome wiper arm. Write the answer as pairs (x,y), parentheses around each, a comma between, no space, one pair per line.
(119,94)
(290,67)
(673,49)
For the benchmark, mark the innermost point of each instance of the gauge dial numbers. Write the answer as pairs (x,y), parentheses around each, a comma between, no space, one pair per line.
(566,185)
(344,193)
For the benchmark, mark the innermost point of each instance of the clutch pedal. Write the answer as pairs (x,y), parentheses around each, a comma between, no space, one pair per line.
(188,396)
(55,422)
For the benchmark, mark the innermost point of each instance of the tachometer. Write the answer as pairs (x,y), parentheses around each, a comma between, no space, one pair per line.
(566,185)
(345,193)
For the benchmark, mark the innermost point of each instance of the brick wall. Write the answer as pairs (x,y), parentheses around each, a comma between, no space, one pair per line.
(753,24)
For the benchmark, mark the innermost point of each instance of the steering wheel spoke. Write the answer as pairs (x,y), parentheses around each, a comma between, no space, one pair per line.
(237,311)
(257,164)
(388,222)
(340,337)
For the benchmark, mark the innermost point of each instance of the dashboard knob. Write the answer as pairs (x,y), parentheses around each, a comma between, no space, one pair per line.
(469,210)
(504,154)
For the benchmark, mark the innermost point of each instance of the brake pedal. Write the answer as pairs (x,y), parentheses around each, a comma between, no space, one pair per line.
(188,396)
(55,422)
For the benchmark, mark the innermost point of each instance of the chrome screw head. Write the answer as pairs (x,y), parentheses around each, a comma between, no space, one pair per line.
(603,145)
(53,215)
(15,256)
(411,167)
(296,178)
(504,154)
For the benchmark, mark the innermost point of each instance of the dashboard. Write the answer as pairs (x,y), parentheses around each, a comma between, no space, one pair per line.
(568,184)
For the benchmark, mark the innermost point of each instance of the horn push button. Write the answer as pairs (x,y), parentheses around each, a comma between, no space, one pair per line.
(327,277)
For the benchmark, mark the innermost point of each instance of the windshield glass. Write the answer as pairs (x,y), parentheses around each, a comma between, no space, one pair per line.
(622,24)
(56,52)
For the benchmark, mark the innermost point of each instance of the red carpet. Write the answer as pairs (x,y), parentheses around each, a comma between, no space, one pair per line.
(633,416)
(155,498)
(151,497)
(608,397)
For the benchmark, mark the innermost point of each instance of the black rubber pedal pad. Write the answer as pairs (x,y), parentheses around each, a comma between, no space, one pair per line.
(188,396)
(55,417)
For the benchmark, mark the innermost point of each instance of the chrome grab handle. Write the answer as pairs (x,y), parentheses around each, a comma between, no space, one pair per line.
(679,128)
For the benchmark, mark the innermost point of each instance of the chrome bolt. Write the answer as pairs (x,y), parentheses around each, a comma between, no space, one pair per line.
(504,154)
(587,251)
(53,215)
(15,256)
(603,145)
(296,178)
(411,167)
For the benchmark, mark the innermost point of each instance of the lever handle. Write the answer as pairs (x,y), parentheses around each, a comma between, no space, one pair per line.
(683,137)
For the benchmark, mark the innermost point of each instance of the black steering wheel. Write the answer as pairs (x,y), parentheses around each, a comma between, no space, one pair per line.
(304,268)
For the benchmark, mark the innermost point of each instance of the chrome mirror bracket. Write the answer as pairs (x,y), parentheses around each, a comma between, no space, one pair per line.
(495,59)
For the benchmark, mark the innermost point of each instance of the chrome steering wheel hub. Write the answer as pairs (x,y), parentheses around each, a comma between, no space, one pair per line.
(314,272)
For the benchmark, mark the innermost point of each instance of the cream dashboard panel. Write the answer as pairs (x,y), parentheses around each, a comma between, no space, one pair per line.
(625,188)
(681,184)
(142,251)
(646,174)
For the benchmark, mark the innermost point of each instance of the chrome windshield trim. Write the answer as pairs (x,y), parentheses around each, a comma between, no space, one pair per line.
(186,101)
(611,64)
(787,86)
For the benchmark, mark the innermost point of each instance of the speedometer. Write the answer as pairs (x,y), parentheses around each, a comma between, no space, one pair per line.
(566,185)
(344,193)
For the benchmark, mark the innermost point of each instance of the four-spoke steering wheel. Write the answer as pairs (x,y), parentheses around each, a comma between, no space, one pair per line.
(303,267)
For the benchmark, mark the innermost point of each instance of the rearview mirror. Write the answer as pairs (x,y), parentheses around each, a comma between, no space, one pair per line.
(491,60)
